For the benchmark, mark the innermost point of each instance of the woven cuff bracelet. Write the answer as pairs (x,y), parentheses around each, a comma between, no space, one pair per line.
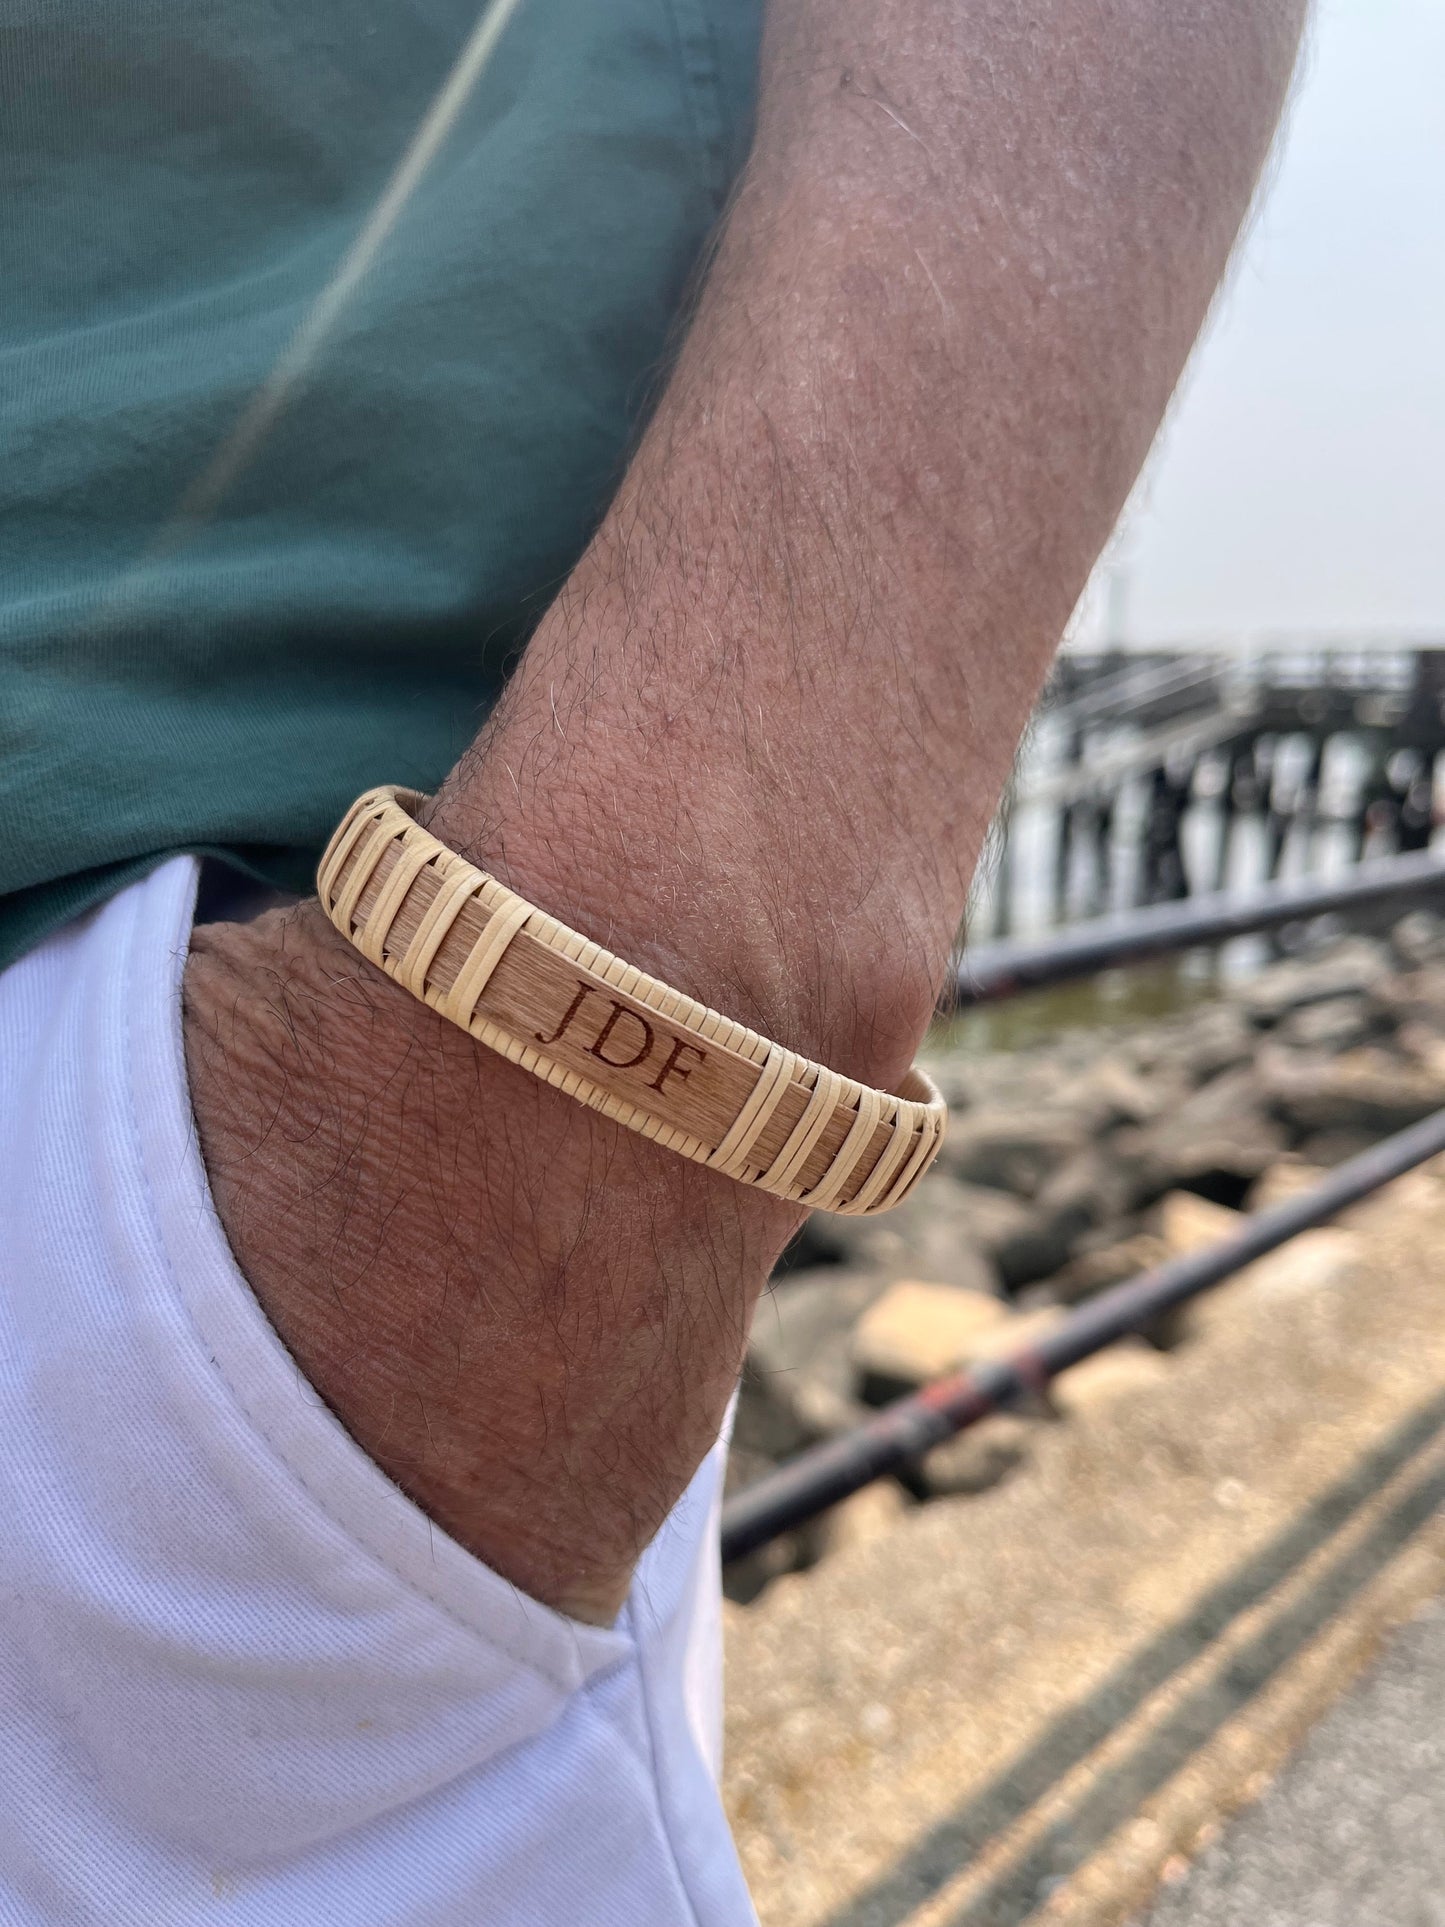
(609,1035)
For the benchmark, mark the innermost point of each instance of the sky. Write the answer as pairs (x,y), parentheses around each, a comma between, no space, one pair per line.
(1296,491)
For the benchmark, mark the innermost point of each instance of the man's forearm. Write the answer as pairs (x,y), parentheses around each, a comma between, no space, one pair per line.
(755,744)
(971,253)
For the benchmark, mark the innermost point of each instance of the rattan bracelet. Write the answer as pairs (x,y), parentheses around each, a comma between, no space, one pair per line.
(609,1035)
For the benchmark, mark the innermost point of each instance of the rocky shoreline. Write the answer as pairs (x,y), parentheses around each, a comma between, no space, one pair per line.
(1069,1166)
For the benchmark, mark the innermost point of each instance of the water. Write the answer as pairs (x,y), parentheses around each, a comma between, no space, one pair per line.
(1023,883)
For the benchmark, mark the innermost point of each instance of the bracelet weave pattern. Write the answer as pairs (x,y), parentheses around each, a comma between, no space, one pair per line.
(609,1035)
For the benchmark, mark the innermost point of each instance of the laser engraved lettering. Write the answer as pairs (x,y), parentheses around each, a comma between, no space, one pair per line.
(622,1063)
(572,1010)
(672,1068)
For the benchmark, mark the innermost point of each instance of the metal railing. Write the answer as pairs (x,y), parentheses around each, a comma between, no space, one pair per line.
(817,1479)
(992,970)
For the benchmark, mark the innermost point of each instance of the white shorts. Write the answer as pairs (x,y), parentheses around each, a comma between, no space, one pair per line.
(242,1678)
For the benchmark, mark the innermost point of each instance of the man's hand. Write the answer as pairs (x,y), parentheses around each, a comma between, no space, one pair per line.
(755,745)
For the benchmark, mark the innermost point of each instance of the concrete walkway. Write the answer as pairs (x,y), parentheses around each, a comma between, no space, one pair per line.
(1352,1833)
(1028,1705)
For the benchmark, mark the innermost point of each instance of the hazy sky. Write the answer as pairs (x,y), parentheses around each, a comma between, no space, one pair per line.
(1297,489)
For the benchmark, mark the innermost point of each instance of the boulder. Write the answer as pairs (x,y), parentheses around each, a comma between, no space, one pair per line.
(974,1460)
(1220,1137)
(1335,1026)
(1012,1150)
(1194,1050)
(917,1332)
(1096,1187)
(1024,1242)
(966,1235)
(1017,1332)
(1105,1265)
(1318,1260)
(1415,997)
(1329,1148)
(1284,1181)
(952,1072)
(1188,1223)
(798,1384)
(933,1236)
(1349,969)
(1419,939)
(1114,1377)
(1110,1092)
(766,1427)
(1310,1262)
(1421,1044)
(868,1514)
(1369,1090)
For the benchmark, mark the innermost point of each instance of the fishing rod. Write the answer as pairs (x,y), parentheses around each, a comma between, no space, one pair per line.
(993,970)
(816,1479)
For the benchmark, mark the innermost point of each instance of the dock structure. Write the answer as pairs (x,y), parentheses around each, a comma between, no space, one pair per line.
(1152,777)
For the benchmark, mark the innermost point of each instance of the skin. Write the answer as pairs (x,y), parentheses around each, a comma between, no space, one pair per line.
(754,746)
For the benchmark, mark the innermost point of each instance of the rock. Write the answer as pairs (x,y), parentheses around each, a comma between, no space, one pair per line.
(1315,1261)
(1095,1271)
(1422,1045)
(1093,1387)
(1350,969)
(1187,1223)
(917,1332)
(1009,1150)
(994,1218)
(1416,997)
(1112,1092)
(799,1314)
(1019,1331)
(1419,938)
(1309,1262)
(1336,1026)
(961,1234)
(766,1427)
(1094,1188)
(1221,1103)
(936,1236)
(800,1362)
(1023,1241)
(1218,1039)
(1221,1137)
(974,1460)
(813,1247)
(1365,1090)
(1195,1049)
(1411,1193)
(951,1073)
(1284,1181)
(864,1516)
(1326,1149)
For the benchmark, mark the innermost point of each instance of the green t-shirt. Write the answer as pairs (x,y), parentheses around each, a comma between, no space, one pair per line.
(178,184)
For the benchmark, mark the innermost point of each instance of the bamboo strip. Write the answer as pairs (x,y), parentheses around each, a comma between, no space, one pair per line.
(603,1031)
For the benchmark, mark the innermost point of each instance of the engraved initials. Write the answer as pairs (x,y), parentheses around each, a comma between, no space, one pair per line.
(622,1063)
(672,1067)
(572,1010)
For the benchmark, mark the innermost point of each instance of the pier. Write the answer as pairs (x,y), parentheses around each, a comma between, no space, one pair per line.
(1153,777)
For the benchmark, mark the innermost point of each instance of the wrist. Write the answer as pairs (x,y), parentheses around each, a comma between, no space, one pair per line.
(703,898)
(530,1318)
